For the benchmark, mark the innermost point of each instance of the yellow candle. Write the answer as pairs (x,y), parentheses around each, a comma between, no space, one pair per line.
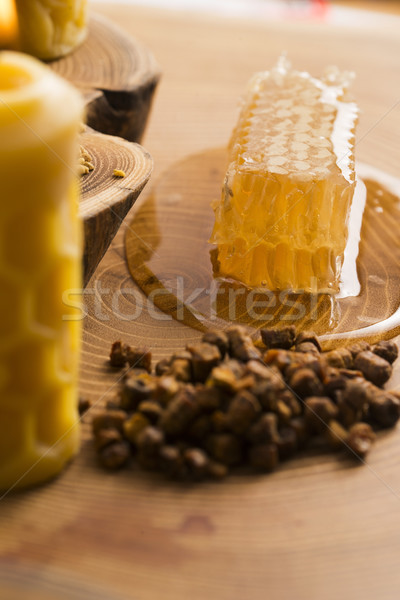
(8,24)
(40,258)
(51,28)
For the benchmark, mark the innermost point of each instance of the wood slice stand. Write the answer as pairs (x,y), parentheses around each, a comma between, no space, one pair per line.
(117,77)
(105,199)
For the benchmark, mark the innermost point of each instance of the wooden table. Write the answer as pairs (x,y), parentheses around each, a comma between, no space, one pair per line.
(318,528)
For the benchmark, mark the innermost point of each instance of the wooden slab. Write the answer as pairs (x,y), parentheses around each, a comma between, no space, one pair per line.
(17,584)
(105,199)
(319,528)
(117,76)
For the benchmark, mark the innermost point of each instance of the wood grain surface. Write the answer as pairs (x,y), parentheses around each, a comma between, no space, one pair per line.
(117,76)
(106,199)
(20,583)
(318,528)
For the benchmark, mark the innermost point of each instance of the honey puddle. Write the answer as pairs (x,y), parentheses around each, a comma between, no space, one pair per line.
(171,260)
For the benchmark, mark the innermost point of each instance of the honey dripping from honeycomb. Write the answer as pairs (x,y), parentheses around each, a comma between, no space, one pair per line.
(282,221)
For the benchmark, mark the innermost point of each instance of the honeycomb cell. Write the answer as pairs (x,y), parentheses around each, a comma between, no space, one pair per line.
(40,231)
(53,296)
(16,433)
(25,458)
(30,369)
(56,416)
(67,356)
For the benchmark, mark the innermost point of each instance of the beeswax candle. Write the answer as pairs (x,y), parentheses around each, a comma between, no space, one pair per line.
(40,258)
(51,28)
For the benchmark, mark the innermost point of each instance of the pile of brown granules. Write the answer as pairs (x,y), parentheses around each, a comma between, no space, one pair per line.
(225,402)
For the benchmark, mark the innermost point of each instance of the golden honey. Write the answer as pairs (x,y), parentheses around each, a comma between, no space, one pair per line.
(282,220)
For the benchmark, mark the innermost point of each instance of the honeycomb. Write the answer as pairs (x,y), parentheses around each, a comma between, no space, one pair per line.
(282,220)
(40,260)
